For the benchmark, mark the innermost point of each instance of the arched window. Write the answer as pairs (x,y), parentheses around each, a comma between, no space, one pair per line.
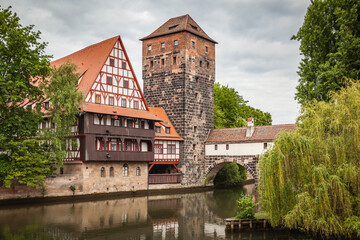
(125,170)
(111,172)
(138,171)
(102,172)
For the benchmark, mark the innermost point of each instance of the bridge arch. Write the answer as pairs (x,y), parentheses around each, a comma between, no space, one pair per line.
(215,163)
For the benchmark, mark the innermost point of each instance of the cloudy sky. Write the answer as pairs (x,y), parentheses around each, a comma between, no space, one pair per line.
(255,54)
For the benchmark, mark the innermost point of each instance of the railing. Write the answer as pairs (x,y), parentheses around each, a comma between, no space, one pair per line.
(164,178)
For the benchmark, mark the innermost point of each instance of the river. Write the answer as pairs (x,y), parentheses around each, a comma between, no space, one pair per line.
(181,216)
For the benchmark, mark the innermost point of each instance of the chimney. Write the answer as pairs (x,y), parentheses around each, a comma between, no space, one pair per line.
(250,129)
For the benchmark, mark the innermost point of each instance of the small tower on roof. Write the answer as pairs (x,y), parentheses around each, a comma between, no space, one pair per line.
(178,63)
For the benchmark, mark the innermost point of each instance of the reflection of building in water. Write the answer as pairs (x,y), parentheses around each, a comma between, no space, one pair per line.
(165,229)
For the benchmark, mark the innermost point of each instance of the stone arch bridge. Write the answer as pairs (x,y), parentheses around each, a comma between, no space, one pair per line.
(213,164)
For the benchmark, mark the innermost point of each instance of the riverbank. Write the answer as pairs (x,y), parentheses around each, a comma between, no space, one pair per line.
(102,196)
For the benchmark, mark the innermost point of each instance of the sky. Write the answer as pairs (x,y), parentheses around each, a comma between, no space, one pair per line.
(254,53)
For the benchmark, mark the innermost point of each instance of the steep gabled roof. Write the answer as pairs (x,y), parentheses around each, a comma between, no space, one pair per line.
(89,60)
(261,134)
(160,113)
(179,24)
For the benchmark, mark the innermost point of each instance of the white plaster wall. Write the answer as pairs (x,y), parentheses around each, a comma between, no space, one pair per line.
(237,149)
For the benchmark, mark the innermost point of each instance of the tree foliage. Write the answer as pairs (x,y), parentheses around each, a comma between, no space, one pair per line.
(24,79)
(230,175)
(310,179)
(246,207)
(230,109)
(330,43)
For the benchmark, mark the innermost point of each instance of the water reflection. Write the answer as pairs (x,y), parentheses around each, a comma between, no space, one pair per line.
(183,216)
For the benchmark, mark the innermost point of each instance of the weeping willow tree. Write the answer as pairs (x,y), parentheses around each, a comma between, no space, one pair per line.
(310,180)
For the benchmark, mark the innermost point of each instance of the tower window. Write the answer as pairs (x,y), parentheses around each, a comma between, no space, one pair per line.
(208,65)
(206,49)
(196,96)
(174,60)
(162,62)
(195,129)
(162,45)
(176,42)
(151,63)
(194,146)
(197,79)
(111,101)
(126,83)
(200,63)
(112,62)
(193,44)
(109,80)
(149,47)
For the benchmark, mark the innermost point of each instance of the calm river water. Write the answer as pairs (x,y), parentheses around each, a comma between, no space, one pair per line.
(183,216)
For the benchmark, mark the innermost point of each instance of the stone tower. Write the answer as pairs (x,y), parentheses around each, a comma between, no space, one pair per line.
(178,64)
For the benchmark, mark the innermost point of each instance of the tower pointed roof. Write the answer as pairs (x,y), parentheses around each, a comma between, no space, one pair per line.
(182,23)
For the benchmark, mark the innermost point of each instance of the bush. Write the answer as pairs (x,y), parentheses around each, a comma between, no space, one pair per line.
(246,207)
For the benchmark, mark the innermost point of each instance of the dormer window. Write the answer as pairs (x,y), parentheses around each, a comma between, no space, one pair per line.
(157,129)
(167,130)
(194,27)
(173,26)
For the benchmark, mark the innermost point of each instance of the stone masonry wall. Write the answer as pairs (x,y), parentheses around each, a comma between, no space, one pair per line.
(180,79)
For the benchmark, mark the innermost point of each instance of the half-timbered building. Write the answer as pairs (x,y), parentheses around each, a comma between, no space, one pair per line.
(115,129)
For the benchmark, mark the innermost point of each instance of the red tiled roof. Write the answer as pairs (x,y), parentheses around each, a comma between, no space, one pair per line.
(179,24)
(113,110)
(160,113)
(89,61)
(261,134)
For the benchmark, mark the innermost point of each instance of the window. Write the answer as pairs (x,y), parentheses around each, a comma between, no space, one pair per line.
(176,42)
(136,104)
(123,65)
(173,26)
(215,146)
(97,98)
(109,80)
(46,105)
(265,145)
(196,96)
(162,45)
(194,146)
(197,79)
(174,60)
(158,148)
(102,172)
(142,124)
(206,49)
(130,123)
(111,101)
(111,172)
(195,128)
(116,122)
(112,62)
(151,63)
(208,65)
(138,171)
(227,146)
(100,144)
(149,47)
(162,62)
(193,44)
(200,63)
(113,144)
(157,129)
(123,102)
(98,119)
(126,83)
(171,148)
(167,130)
(125,170)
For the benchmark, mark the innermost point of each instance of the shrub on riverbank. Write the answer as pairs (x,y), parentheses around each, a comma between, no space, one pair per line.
(246,207)
(310,179)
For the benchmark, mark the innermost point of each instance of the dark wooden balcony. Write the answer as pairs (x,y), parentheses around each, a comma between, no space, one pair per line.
(167,178)
(120,156)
